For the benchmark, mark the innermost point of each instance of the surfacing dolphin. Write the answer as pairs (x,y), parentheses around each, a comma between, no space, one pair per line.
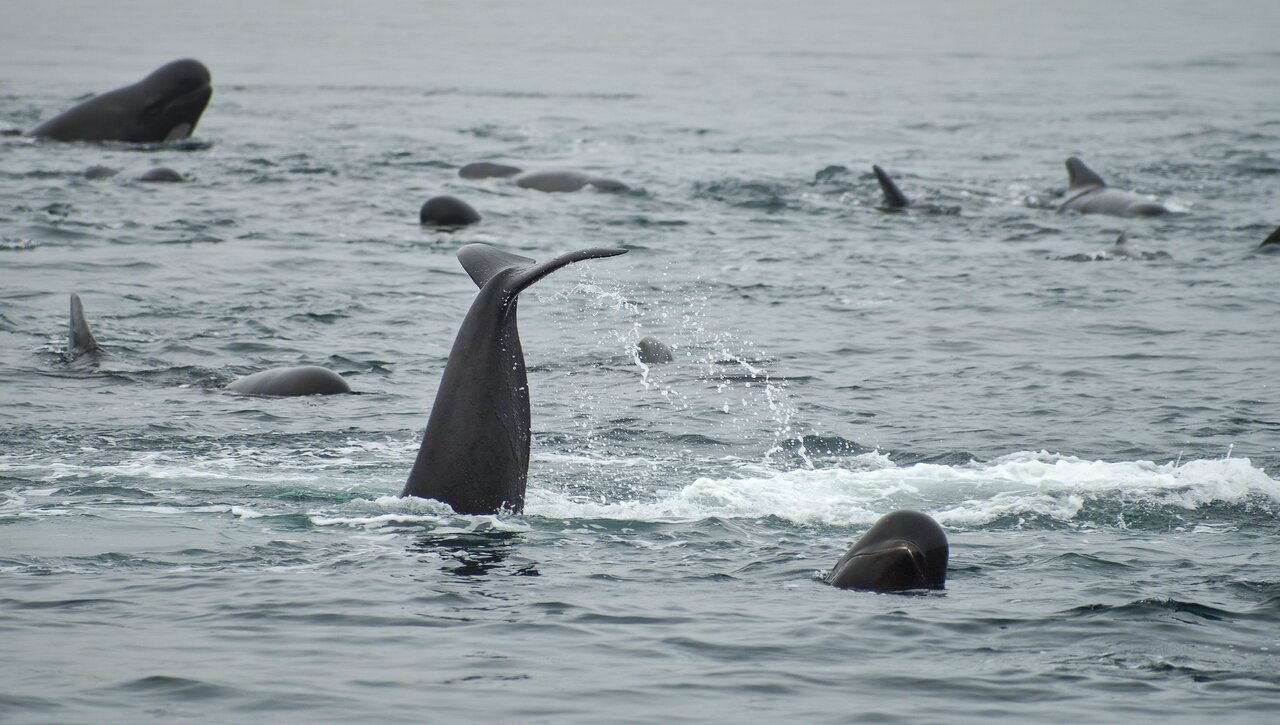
(164,106)
(1089,194)
(475,450)
(895,200)
(903,550)
(80,339)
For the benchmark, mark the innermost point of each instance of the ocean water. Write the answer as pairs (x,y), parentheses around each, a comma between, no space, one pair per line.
(1099,436)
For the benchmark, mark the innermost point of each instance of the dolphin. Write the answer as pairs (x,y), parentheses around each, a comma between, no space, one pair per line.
(1089,194)
(475,449)
(903,550)
(164,106)
(291,381)
(80,339)
(895,200)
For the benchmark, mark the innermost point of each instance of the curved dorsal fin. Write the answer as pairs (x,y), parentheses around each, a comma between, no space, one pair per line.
(80,340)
(1273,240)
(1080,176)
(893,197)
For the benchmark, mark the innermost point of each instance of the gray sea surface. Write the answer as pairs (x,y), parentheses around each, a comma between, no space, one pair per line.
(1099,435)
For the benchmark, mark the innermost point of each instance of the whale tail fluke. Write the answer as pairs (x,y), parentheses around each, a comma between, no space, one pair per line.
(484,262)
(1080,176)
(893,196)
(80,340)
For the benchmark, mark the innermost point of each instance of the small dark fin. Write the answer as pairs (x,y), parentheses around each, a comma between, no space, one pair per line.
(1271,241)
(80,340)
(1122,240)
(1080,176)
(483,262)
(893,197)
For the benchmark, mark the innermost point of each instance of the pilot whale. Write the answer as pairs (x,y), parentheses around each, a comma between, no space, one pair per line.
(1089,194)
(895,200)
(475,450)
(164,106)
(903,550)
(291,381)
(80,339)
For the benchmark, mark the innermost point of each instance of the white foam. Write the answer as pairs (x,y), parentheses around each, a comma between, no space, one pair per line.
(1021,484)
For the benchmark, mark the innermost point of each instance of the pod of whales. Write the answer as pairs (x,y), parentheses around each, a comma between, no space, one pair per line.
(475,449)
(291,381)
(80,340)
(903,550)
(447,211)
(164,106)
(1089,194)
(895,200)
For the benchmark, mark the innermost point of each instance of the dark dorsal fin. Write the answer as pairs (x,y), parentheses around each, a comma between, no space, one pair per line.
(1273,240)
(1122,240)
(1080,176)
(893,197)
(483,262)
(80,340)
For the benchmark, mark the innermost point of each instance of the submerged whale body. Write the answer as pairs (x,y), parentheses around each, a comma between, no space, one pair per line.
(164,106)
(291,381)
(447,211)
(562,180)
(487,170)
(80,339)
(475,449)
(1089,194)
(895,200)
(903,550)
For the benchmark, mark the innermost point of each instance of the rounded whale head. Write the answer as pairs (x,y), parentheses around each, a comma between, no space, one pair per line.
(903,550)
(164,106)
(652,351)
(447,211)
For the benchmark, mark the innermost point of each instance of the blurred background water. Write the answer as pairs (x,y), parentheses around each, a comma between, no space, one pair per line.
(1099,436)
